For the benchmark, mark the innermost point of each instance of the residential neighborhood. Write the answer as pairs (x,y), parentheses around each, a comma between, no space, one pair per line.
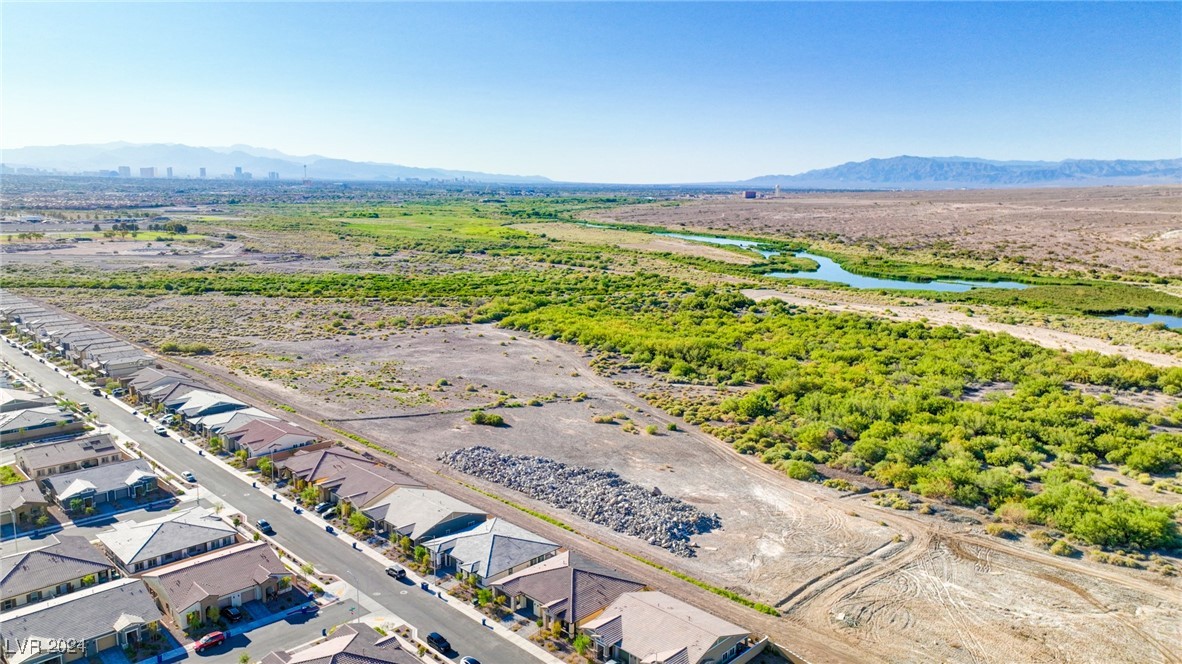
(117,545)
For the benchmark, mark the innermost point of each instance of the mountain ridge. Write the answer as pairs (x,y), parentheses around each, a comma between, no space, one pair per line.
(901,172)
(187,160)
(911,172)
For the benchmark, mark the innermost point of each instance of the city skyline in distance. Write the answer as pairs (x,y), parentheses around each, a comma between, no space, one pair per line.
(640,93)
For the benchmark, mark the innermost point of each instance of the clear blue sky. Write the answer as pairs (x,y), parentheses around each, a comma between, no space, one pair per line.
(603,92)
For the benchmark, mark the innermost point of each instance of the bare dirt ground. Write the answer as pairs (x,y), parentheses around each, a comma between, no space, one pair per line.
(856,582)
(1110,229)
(943,592)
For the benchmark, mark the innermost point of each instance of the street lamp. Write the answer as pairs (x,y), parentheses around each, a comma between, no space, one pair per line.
(357,588)
(16,533)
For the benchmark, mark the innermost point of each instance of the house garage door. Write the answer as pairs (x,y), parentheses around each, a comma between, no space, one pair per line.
(108,641)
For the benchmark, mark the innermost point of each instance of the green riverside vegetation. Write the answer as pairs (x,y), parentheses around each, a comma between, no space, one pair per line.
(971,418)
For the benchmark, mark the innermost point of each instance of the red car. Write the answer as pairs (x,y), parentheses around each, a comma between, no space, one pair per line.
(209,640)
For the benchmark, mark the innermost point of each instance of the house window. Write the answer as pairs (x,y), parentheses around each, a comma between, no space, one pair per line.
(8,604)
(34,596)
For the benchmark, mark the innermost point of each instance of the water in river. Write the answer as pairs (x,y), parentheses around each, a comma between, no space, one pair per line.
(829,270)
(1172,322)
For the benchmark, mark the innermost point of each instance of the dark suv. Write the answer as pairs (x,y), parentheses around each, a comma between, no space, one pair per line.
(396,572)
(436,641)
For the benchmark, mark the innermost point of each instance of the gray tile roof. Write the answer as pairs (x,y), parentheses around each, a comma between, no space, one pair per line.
(655,627)
(108,477)
(413,511)
(566,580)
(491,547)
(217,574)
(47,455)
(149,377)
(351,643)
(11,399)
(61,559)
(16,420)
(13,496)
(134,542)
(86,614)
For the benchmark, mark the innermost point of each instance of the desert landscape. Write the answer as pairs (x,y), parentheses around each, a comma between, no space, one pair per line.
(853,564)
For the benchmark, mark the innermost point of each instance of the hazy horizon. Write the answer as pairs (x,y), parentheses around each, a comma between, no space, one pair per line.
(591,92)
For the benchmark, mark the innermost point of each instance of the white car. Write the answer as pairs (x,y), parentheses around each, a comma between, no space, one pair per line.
(160,431)
(188,475)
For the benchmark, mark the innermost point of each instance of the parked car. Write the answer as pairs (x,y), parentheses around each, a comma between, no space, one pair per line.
(209,640)
(469,660)
(159,430)
(232,614)
(321,508)
(396,572)
(188,476)
(436,641)
(264,527)
(84,408)
(98,392)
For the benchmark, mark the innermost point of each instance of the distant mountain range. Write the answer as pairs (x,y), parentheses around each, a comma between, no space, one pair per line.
(187,161)
(966,172)
(903,172)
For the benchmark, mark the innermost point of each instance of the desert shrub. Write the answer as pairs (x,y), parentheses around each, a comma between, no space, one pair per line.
(487,419)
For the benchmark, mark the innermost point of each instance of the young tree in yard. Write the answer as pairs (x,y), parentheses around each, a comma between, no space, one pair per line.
(211,614)
(344,508)
(266,466)
(112,384)
(241,456)
(194,620)
(309,495)
(76,505)
(215,445)
(244,658)
(581,644)
(484,596)
(42,521)
(358,522)
(407,544)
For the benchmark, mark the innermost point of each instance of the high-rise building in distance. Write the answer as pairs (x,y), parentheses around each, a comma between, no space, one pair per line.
(125,171)
(168,171)
(202,171)
(148,172)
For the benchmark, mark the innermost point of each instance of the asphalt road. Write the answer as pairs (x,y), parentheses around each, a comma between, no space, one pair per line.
(300,536)
(280,635)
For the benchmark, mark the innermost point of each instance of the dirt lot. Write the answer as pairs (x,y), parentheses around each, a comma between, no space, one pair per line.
(850,577)
(1108,229)
(943,592)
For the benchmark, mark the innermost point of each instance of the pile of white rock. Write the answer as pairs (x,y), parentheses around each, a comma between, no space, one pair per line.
(600,496)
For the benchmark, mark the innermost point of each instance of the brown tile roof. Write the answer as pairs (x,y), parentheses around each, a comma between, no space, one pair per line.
(259,434)
(217,574)
(70,451)
(350,476)
(569,580)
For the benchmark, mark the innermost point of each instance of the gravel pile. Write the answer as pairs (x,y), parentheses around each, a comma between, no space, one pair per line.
(600,496)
